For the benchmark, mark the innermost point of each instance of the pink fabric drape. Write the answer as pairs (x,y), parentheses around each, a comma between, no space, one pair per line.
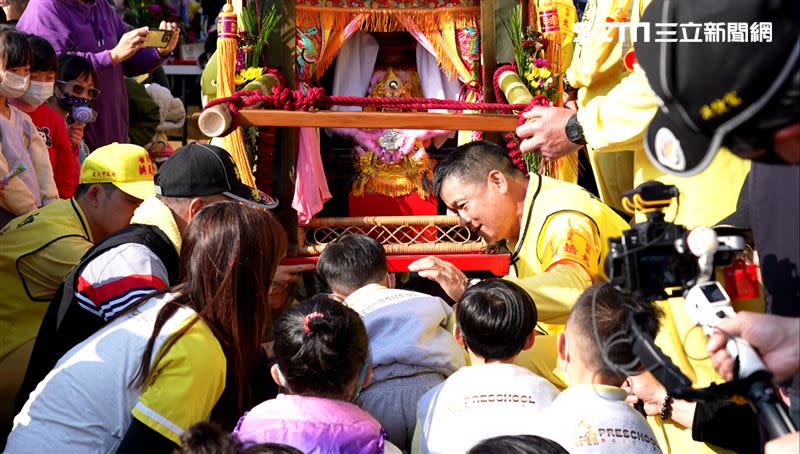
(311,187)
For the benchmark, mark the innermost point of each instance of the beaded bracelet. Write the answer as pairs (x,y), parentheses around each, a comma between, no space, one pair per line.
(666,409)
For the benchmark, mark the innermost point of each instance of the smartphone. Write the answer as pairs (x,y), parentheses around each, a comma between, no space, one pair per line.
(157,38)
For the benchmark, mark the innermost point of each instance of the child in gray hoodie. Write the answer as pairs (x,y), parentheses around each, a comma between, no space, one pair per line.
(412,350)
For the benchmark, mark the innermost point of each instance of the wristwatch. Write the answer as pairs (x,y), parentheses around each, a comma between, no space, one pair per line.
(574,130)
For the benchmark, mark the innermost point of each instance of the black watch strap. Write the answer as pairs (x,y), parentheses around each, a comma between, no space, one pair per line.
(574,130)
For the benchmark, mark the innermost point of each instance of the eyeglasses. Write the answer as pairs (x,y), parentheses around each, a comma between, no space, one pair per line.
(76,89)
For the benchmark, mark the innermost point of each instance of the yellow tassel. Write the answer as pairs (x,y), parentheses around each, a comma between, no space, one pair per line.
(226,60)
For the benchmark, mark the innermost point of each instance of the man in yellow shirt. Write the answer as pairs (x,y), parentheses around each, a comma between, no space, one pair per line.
(558,233)
(38,250)
(614,105)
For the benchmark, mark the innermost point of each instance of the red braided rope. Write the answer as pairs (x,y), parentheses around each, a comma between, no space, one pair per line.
(512,139)
(315,98)
(498,92)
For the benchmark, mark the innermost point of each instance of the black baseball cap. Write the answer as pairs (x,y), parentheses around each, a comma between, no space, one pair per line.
(197,170)
(710,92)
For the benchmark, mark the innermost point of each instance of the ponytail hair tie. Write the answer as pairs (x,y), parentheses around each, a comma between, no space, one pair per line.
(308,319)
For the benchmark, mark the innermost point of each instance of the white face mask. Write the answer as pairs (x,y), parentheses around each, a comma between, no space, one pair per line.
(37,93)
(13,85)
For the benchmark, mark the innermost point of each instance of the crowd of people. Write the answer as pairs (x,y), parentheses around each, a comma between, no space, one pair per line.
(144,307)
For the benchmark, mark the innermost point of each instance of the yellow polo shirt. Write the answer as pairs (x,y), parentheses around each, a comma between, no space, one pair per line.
(615,107)
(37,251)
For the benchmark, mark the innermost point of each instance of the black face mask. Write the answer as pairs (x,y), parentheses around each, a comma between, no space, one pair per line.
(68,102)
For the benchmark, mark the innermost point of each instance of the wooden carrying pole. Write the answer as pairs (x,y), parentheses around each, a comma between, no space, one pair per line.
(364,120)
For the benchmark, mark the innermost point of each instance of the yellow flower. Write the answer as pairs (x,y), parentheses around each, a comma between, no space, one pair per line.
(247,74)
(530,74)
(544,73)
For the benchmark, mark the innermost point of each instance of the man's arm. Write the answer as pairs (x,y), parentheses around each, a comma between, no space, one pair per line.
(619,120)
(616,121)
(570,253)
(43,271)
(555,291)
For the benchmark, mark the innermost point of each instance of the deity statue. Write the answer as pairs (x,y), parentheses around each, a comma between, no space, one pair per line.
(392,162)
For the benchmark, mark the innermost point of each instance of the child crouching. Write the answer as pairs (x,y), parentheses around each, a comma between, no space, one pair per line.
(322,355)
(412,351)
(491,397)
(591,416)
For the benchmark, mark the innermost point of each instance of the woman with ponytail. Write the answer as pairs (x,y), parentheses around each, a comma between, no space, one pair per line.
(322,353)
(184,355)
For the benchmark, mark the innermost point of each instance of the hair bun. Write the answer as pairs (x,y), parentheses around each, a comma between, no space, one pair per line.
(318,323)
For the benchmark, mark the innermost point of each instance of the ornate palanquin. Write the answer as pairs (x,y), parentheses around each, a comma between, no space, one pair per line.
(447,29)
(450,30)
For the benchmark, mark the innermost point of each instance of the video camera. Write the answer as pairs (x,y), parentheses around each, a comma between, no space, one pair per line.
(658,259)
(654,258)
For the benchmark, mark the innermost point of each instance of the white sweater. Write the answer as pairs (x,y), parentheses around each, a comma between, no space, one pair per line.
(596,419)
(480,402)
(406,332)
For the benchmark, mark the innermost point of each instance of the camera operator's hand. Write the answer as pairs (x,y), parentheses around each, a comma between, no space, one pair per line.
(776,338)
(447,275)
(651,392)
(787,444)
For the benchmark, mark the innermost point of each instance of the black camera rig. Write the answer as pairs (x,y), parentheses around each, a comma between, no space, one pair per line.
(658,259)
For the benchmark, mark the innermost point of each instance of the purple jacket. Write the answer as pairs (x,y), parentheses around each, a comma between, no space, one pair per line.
(312,425)
(90,30)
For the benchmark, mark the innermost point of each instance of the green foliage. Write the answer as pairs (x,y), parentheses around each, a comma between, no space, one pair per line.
(516,33)
(258,20)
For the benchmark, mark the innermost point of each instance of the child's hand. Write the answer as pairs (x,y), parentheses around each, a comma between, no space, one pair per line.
(75,133)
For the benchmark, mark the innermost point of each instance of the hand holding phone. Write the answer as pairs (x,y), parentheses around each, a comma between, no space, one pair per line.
(157,38)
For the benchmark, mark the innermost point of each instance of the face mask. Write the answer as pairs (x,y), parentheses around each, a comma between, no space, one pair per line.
(68,102)
(13,85)
(561,371)
(38,93)
(362,376)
